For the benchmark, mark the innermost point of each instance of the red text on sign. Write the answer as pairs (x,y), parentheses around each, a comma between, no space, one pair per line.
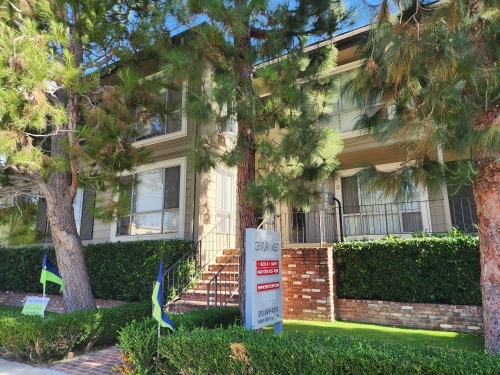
(268,286)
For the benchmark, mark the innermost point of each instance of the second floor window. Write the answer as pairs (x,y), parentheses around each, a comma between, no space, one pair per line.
(154,125)
(345,112)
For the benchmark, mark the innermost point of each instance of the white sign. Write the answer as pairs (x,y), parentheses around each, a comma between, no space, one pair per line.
(264,284)
(35,306)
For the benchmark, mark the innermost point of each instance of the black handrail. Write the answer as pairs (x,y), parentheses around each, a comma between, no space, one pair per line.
(221,280)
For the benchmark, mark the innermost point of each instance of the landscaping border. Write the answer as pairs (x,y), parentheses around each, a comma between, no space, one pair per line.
(456,318)
(310,293)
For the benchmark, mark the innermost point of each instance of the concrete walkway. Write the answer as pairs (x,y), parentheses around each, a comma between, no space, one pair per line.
(97,363)
(16,368)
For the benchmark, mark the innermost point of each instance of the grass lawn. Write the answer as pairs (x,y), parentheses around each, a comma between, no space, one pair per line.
(402,335)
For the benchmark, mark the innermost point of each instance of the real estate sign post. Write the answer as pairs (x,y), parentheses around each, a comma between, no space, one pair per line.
(264,286)
(35,306)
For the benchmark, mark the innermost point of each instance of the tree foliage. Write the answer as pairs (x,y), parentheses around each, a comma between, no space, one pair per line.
(435,69)
(72,83)
(287,87)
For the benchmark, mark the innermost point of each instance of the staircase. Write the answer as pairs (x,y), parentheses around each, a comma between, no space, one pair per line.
(222,279)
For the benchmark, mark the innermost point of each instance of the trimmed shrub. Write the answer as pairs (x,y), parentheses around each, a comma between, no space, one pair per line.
(139,340)
(56,335)
(120,270)
(425,270)
(236,351)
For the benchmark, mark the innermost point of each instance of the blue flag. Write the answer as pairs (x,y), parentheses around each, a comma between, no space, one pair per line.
(157,299)
(50,273)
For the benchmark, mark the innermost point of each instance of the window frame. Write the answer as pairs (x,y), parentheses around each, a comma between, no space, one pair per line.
(347,130)
(177,134)
(182,163)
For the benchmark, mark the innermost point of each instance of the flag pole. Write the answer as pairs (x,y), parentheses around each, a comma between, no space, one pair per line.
(158,343)
(43,302)
(161,291)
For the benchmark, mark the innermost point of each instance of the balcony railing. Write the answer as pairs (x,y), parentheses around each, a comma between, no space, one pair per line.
(303,227)
(409,217)
(374,219)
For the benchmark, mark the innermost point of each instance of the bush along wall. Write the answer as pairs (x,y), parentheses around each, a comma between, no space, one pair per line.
(139,339)
(38,339)
(423,270)
(120,270)
(236,351)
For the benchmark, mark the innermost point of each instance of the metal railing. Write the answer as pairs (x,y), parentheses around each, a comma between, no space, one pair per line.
(222,288)
(182,274)
(374,219)
(303,227)
(409,217)
(263,221)
(463,214)
(190,268)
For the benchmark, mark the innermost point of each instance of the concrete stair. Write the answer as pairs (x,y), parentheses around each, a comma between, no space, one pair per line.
(196,297)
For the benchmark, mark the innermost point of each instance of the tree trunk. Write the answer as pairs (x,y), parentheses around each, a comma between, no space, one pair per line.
(487,199)
(246,170)
(77,293)
(59,193)
(248,219)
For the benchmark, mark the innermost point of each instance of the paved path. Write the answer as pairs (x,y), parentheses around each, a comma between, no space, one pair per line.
(16,368)
(97,363)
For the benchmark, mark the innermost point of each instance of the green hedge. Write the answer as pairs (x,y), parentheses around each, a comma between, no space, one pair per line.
(38,339)
(120,270)
(425,270)
(139,342)
(236,351)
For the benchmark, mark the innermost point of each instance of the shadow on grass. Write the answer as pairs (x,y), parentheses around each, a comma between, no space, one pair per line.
(15,309)
(401,335)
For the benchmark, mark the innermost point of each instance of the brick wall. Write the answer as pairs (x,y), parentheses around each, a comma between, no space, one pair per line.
(55,303)
(456,318)
(308,284)
(309,293)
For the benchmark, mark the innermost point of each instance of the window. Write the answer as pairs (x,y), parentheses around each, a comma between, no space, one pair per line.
(367,211)
(84,220)
(170,126)
(157,202)
(345,112)
(224,202)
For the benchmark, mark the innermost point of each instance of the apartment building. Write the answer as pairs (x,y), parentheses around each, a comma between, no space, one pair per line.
(174,201)
(366,212)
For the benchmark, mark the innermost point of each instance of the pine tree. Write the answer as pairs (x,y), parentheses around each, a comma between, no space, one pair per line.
(251,65)
(70,77)
(435,66)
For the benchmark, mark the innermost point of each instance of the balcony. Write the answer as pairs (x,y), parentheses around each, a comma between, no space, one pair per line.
(373,221)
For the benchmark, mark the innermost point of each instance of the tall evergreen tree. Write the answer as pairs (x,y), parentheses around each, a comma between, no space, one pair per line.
(289,88)
(435,66)
(65,110)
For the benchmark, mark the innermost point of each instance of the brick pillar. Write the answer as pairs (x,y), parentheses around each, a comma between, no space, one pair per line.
(309,284)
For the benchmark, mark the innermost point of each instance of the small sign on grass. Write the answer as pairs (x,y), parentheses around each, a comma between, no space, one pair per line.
(35,306)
